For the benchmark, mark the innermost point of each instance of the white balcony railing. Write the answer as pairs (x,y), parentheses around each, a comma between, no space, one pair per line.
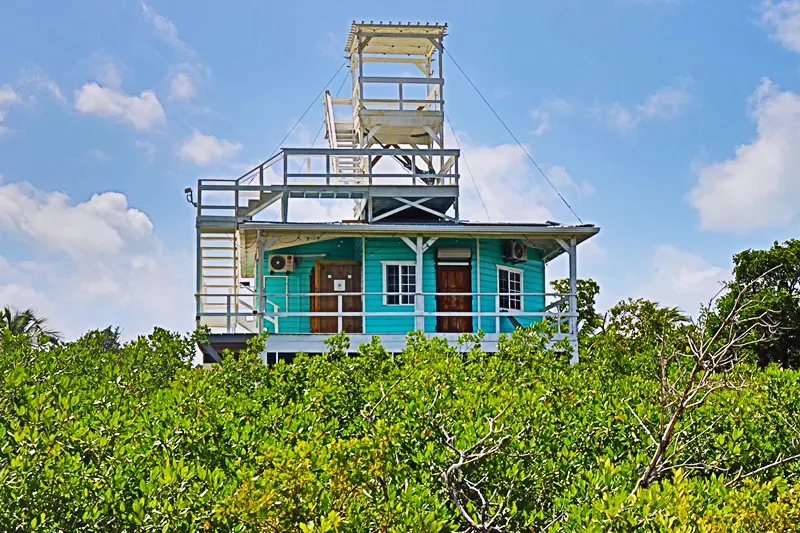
(287,313)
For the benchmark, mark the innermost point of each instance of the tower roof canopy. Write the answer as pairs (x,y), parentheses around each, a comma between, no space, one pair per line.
(395,38)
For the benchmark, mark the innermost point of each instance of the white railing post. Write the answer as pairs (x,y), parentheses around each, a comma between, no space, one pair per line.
(339,306)
(573,297)
(228,312)
(419,302)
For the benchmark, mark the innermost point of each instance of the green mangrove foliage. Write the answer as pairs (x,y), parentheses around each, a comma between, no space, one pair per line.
(101,436)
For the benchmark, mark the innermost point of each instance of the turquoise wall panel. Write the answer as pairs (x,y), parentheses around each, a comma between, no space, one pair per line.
(378,251)
(532,282)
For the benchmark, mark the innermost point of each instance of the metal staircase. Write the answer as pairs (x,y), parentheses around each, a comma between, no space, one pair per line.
(341,134)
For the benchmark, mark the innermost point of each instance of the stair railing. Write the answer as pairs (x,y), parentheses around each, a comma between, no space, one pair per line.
(330,126)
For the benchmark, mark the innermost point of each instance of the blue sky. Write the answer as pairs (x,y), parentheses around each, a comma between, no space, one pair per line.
(672,124)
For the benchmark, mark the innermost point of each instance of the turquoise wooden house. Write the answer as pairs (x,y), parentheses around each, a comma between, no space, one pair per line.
(406,261)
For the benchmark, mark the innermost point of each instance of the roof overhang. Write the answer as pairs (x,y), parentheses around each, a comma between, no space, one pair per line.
(543,237)
(395,39)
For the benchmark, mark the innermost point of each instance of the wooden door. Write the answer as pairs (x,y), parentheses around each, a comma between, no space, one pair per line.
(326,273)
(453,278)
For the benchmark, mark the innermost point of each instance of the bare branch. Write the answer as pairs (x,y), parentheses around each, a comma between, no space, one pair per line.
(779,462)
(644,427)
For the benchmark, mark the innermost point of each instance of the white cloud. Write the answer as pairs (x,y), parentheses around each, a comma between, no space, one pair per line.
(205,150)
(312,210)
(92,263)
(759,186)
(147,147)
(8,95)
(783,17)
(24,297)
(24,92)
(163,26)
(36,80)
(682,279)
(563,181)
(543,114)
(507,186)
(666,103)
(108,74)
(182,87)
(98,226)
(143,112)
(190,69)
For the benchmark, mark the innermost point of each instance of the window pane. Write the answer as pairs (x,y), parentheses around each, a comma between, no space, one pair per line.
(401,280)
(509,284)
(503,281)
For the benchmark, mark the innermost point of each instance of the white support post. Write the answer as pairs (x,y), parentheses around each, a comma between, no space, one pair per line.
(419,303)
(573,297)
(285,207)
(363,284)
(478,278)
(259,275)
(339,310)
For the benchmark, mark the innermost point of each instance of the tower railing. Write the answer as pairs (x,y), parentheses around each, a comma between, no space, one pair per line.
(407,97)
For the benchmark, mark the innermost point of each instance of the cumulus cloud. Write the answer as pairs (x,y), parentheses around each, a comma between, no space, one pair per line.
(143,112)
(682,279)
(93,263)
(98,226)
(759,186)
(181,86)
(203,150)
(783,19)
(501,178)
(502,182)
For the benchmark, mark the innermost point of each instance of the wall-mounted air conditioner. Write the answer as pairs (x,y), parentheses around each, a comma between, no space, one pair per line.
(281,263)
(515,252)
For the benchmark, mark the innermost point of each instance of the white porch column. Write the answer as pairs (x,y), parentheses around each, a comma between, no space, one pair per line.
(259,275)
(419,302)
(573,298)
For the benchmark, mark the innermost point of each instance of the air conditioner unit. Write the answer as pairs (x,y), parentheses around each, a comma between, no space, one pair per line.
(515,252)
(281,263)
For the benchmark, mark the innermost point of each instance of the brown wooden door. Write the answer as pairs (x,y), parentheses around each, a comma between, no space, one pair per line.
(452,278)
(325,275)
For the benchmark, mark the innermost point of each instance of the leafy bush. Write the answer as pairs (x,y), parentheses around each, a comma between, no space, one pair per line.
(95,436)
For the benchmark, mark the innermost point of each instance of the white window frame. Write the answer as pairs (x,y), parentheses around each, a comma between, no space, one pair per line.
(400,265)
(521,273)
